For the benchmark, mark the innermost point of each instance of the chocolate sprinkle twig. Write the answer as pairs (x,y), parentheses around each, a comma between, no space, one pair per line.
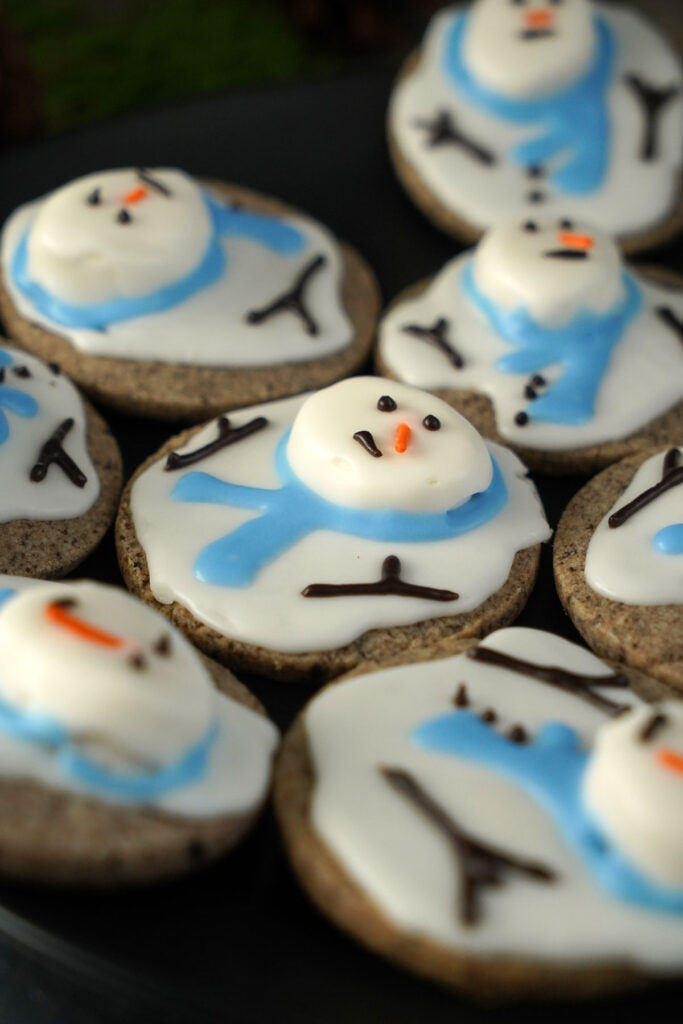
(226,435)
(653,101)
(52,451)
(390,583)
(672,476)
(667,316)
(292,301)
(443,130)
(437,334)
(144,175)
(480,864)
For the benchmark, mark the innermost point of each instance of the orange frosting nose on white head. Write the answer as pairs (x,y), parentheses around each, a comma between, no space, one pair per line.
(553,269)
(373,443)
(633,787)
(530,48)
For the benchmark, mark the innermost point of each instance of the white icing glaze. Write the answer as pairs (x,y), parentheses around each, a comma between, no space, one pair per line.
(643,379)
(499,56)
(55,497)
(207,329)
(637,793)
(622,564)
(124,717)
(426,477)
(271,611)
(402,862)
(485,195)
(512,268)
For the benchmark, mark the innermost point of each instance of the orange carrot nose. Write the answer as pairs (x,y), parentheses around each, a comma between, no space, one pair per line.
(135,195)
(539,17)
(60,614)
(573,241)
(402,438)
(671,760)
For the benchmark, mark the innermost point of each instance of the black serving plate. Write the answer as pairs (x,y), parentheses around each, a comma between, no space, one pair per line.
(238,942)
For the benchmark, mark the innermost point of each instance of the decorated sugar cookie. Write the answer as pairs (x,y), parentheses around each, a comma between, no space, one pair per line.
(506,818)
(124,755)
(543,337)
(306,535)
(60,466)
(619,563)
(515,108)
(171,297)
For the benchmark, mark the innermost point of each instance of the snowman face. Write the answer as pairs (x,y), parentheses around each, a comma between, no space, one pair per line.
(118,234)
(553,269)
(373,443)
(529,48)
(634,788)
(107,669)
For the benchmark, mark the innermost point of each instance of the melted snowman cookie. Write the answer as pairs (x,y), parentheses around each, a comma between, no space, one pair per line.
(107,712)
(368,506)
(519,105)
(138,268)
(506,818)
(579,355)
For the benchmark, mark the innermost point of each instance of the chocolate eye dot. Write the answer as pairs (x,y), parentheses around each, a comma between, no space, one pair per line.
(567,224)
(95,198)
(431,423)
(531,226)
(386,404)
(123,217)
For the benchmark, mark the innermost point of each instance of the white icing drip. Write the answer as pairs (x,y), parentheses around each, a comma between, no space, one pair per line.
(642,382)
(210,327)
(55,497)
(271,611)
(486,195)
(622,564)
(403,863)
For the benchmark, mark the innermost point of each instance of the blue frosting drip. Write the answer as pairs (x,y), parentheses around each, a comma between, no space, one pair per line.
(15,401)
(551,770)
(293,511)
(669,540)
(226,221)
(583,347)
(5,594)
(575,121)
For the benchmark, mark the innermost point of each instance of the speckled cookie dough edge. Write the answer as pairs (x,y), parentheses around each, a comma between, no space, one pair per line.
(178,391)
(376,646)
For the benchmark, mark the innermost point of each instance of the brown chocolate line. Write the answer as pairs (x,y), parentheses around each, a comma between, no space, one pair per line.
(571,682)
(226,435)
(443,130)
(671,479)
(670,461)
(567,254)
(367,441)
(652,726)
(652,101)
(437,334)
(667,316)
(390,583)
(292,301)
(52,451)
(480,864)
(144,175)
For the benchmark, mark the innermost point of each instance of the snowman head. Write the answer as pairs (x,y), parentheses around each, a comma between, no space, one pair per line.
(633,788)
(109,671)
(118,235)
(367,442)
(527,49)
(553,269)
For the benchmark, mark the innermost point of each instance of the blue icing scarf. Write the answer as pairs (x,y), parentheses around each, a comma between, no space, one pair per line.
(551,770)
(15,401)
(293,511)
(227,221)
(576,126)
(583,347)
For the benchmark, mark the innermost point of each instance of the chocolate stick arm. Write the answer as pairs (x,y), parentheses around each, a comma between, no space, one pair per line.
(293,300)
(652,102)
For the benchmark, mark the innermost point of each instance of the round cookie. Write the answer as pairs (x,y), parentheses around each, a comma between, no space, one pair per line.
(573,109)
(436,813)
(61,469)
(166,297)
(547,341)
(126,756)
(622,585)
(386,523)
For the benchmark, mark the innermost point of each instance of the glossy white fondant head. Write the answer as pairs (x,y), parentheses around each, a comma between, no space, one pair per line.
(633,787)
(107,669)
(529,48)
(118,234)
(553,269)
(431,458)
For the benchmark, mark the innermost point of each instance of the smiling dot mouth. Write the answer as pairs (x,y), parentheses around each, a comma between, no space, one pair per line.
(566,254)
